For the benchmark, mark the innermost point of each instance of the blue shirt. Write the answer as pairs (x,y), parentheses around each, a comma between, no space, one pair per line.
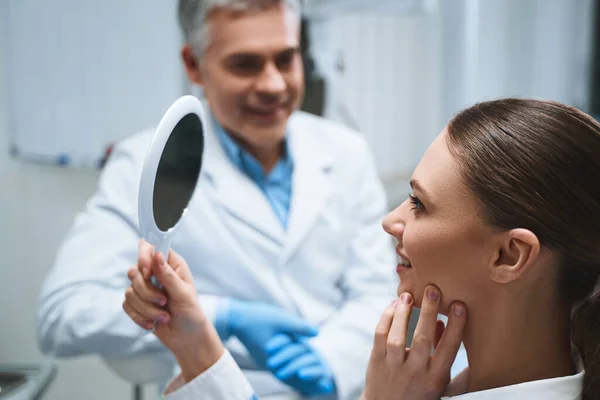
(276,185)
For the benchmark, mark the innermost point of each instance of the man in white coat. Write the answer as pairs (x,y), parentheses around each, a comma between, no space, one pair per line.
(284,237)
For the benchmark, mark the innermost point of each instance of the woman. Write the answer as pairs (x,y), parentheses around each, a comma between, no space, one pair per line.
(504,219)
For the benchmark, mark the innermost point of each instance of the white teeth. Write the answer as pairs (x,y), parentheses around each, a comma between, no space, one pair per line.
(405,262)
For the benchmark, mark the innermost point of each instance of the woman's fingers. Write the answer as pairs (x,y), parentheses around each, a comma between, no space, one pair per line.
(180,266)
(145,289)
(446,351)
(417,374)
(137,318)
(381,331)
(145,258)
(423,338)
(439,331)
(396,341)
(146,310)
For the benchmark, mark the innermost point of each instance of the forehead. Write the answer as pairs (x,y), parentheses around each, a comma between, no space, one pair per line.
(439,175)
(271,30)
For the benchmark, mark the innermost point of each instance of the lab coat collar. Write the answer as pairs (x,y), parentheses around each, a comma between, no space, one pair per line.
(562,388)
(311,188)
(244,200)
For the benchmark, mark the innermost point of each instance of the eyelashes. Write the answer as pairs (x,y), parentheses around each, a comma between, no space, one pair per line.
(417,205)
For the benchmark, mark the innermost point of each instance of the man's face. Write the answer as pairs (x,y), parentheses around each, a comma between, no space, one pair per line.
(252,73)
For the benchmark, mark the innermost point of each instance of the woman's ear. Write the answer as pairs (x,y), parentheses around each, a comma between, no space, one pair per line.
(192,64)
(516,253)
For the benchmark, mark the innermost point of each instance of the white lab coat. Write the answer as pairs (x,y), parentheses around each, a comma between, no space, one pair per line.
(333,266)
(224,381)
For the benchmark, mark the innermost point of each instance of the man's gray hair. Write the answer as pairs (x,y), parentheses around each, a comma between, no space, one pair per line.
(193,16)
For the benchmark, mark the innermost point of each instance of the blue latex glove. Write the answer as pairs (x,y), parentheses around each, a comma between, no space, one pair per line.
(295,362)
(254,324)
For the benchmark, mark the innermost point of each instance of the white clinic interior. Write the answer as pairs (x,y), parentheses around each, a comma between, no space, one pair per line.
(404,76)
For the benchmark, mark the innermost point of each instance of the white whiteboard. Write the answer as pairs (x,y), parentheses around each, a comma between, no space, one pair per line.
(83,74)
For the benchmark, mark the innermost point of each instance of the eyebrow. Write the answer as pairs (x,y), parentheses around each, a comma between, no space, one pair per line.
(287,50)
(415,185)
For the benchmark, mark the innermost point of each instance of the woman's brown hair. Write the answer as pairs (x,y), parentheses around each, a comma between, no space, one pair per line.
(536,165)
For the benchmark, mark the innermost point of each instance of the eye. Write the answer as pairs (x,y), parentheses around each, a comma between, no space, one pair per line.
(285,60)
(245,65)
(417,204)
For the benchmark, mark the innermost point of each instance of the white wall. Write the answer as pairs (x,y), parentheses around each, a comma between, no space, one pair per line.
(93,71)
(391,86)
(37,204)
(526,48)
(407,75)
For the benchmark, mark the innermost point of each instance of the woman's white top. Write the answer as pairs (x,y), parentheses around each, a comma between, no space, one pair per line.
(225,381)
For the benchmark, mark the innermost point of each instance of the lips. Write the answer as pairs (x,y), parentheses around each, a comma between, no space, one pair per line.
(267,110)
(403,260)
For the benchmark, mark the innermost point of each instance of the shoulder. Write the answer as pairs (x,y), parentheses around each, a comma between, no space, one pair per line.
(136,145)
(127,158)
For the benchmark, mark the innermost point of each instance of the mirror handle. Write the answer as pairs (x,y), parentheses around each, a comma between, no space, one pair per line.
(163,247)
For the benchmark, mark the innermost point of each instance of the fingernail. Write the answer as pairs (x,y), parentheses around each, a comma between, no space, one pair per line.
(163,318)
(149,325)
(405,298)
(432,294)
(394,303)
(459,310)
(161,302)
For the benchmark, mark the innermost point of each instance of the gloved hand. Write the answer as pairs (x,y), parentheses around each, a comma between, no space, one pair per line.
(296,363)
(254,324)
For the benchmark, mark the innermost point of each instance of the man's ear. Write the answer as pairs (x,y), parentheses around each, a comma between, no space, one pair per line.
(516,253)
(192,64)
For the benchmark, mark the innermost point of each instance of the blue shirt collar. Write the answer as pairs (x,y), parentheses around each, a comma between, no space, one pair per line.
(247,163)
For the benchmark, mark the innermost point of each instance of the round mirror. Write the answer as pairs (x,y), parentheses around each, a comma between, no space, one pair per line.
(177,172)
(171,171)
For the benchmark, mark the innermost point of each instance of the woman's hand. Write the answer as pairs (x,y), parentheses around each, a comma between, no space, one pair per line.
(397,372)
(180,322)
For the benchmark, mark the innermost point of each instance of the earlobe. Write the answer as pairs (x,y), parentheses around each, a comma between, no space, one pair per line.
(192,65)
(516,254)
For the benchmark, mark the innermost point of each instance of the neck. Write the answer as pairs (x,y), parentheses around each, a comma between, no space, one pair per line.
(266,154)
(507,345)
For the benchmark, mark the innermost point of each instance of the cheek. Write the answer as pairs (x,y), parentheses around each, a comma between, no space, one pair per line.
(444,257)
(295,81)
(227,87)
(226,101)
(425,245)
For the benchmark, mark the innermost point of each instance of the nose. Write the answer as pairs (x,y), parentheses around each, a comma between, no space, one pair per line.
(271,81)
(393,223)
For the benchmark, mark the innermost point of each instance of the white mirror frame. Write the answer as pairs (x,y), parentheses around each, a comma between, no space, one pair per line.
(148,228)
(152,368)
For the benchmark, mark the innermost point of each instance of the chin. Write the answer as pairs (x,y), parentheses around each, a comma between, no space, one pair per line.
(418,294)
(410,288)
(264,136)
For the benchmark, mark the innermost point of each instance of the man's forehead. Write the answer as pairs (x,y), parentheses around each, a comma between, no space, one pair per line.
(255,33)
(271,23)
